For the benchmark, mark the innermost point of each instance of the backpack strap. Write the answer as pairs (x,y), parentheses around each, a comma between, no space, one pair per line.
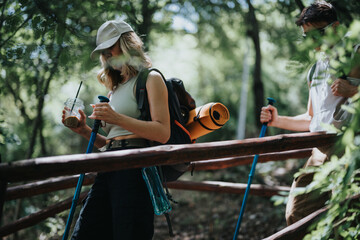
(168,220)
(168,195)
(141,92)
(311,73)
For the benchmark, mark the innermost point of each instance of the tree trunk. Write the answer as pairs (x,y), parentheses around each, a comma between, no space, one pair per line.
(300,4)
(147,12)
(244,95)
(253,33)
(37,127)
(42,139)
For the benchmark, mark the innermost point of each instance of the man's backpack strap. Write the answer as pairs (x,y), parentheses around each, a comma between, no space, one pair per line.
(311,73)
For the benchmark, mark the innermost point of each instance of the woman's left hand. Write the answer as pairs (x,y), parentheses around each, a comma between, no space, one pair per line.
(104,112)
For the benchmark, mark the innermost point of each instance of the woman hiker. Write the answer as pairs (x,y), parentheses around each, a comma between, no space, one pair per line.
(118,205)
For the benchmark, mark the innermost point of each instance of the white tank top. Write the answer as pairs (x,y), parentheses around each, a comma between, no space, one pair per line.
(323,102)
(123,101)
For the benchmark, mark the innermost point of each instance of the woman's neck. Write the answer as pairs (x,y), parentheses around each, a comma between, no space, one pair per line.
(125,78)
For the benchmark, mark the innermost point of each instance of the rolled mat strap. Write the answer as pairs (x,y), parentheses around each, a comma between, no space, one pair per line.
(212,118)
(201,124)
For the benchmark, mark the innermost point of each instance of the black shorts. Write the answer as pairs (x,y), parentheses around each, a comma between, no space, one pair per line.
(117,207)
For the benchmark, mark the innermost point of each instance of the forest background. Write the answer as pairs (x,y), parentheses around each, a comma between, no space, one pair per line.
(233,52)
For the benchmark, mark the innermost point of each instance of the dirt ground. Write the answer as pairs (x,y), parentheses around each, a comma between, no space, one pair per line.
(214,216)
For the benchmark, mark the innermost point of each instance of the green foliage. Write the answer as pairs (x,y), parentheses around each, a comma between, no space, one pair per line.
(341,174)
(341,177)
(347,10)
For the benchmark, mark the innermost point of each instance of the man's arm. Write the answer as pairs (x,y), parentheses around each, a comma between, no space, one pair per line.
(299,123)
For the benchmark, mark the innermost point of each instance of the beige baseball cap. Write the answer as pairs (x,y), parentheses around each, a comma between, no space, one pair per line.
(108,34)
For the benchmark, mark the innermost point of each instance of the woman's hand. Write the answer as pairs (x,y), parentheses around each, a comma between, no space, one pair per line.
(104,112)
(82,122)
(84,130)
(269,115)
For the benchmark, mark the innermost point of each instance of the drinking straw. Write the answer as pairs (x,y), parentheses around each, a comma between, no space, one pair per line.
(76,97)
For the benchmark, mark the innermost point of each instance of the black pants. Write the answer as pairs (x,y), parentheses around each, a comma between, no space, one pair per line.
(118,207)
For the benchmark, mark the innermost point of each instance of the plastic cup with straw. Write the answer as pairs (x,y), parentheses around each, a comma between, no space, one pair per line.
(72,107)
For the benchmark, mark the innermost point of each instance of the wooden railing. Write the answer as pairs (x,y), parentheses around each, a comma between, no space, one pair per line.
(59,171)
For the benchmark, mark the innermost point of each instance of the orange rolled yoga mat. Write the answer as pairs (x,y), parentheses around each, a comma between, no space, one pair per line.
(207,118)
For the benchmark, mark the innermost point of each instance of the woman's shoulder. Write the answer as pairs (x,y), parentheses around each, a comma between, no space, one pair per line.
(154,77)
(155,81)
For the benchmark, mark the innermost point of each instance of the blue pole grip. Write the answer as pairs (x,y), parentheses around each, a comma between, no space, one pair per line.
(97,122)
(95,128)
(271,101)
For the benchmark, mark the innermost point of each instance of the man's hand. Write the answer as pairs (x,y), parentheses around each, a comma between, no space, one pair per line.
(269,115)
(343,88)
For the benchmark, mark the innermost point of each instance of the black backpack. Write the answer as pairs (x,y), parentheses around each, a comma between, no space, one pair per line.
(180,104)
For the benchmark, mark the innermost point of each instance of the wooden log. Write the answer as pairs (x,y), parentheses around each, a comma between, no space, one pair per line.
(50,185)
(42,168)
(33,189)
(237,161)
(225,187)
(298,230)
(40,216)
(55,184)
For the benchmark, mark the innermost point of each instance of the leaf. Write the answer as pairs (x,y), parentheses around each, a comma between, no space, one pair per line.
(278,200)
(348,137)
(348,109)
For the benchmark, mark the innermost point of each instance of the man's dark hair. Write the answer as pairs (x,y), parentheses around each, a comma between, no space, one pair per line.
(317,12)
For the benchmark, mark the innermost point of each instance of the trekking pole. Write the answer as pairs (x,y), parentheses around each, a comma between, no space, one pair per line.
(81,178)
(271,101)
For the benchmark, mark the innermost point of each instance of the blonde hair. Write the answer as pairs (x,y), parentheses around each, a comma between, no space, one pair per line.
(131,47)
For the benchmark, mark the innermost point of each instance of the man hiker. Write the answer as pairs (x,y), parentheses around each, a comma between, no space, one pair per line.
(324,98)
